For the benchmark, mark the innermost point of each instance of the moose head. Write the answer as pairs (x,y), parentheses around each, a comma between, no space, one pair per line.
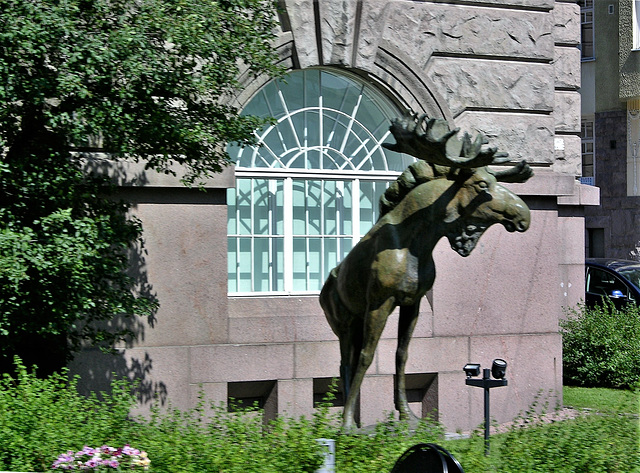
(479,200)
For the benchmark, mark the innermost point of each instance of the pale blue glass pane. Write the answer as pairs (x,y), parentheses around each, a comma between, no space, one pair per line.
(345,245)
(274,143)
(311,135)
(266,102)
(330,255)
(333,160)
(262,203)
(291,136)
(372,116)
(261,264)
(316,278)
(335,129)
(334,251)
(293,91)
(296,159)
(299,264)
(339,92)
(332,205)
(370,193)
(259,105)
(397,161)
(232,262)
(313,159)
(314,207)
(244,264)
(243,206)
(311,88)
(278,261)
(299,208)
(347,212)
(278,216)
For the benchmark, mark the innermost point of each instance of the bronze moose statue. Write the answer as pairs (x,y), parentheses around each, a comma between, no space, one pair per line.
(449,192)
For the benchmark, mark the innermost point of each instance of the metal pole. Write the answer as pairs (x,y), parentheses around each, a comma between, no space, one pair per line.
(486,375)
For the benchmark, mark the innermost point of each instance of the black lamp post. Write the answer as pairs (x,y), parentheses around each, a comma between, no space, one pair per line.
(498,370)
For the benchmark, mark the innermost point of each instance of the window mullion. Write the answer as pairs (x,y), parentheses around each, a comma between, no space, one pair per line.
(253,236)
(287,223)
(355,212)
(272,278)
(306,233)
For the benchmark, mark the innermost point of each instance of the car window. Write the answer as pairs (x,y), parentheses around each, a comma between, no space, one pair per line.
(632,273)
(604,283)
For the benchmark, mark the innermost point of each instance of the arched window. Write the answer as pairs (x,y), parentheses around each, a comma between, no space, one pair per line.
(308,193)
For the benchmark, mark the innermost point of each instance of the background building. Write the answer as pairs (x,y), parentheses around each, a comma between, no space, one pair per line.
(611,124)
(238,269)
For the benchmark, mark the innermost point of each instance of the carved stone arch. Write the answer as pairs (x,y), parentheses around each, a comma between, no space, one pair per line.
(394,74)
(395,71)
(250,85)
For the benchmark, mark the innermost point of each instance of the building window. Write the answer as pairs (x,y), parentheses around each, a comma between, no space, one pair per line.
(636,23)
(588,157)
(309,191)
(595,242)
(633,147)
(586,29)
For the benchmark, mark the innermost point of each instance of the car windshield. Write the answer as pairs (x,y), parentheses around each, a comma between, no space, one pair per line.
(632,274)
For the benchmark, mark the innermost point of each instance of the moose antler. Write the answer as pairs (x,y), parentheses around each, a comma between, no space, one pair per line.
(518,173)
(431,140)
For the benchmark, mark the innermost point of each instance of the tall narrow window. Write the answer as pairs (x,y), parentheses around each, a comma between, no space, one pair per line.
(586,29)
(588,158)
(633,146)
(309,191)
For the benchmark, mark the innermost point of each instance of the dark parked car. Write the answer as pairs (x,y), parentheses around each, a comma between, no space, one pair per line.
(617,279)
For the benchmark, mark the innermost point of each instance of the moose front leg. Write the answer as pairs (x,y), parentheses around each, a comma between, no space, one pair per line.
(374,323)
(406,324)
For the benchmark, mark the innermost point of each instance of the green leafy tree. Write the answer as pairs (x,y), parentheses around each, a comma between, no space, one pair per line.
(144,80)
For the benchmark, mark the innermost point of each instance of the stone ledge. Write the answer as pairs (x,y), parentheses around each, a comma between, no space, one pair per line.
(132,174)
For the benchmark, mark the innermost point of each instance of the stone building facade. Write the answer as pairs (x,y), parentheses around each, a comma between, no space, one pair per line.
(506,68)
(611,126)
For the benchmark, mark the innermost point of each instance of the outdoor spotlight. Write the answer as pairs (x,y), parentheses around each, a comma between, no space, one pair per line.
(499,368)
(472,369)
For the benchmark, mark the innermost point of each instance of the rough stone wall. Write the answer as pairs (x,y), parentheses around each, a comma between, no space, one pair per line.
(629,60)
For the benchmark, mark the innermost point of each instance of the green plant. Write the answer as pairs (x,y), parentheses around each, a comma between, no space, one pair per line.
(209,438)
(146,81)
(601,346)
(39,418)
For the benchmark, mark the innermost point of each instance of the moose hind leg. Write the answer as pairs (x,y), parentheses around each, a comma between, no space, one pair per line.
(374,323)
(406,325)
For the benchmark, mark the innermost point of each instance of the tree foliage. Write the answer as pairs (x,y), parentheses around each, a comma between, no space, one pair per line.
(142,80)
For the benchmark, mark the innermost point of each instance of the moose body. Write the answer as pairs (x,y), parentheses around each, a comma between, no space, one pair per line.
(392,265)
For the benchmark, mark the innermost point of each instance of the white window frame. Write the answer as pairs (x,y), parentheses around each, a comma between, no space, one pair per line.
(587,138)
(350,151)
(587,30)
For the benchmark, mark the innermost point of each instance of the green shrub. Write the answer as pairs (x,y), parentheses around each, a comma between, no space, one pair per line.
(42,418)
(602,346)
(213,440)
